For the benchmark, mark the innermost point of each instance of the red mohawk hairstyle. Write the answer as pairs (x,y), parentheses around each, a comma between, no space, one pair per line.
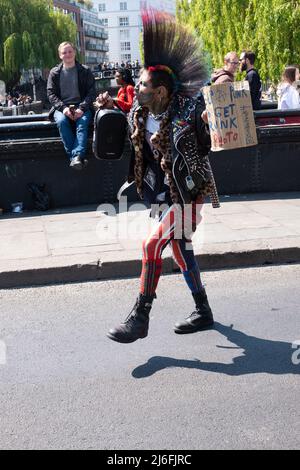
(171,49)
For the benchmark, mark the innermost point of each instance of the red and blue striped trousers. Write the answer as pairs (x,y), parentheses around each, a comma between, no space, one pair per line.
(175,227)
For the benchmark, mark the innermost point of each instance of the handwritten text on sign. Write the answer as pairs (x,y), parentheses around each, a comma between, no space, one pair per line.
(230,115)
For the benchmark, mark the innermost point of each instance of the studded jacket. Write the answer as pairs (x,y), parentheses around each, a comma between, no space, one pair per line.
(181,148)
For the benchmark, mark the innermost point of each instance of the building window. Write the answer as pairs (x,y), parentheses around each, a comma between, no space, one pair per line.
(102,7)
(124,34)
(126,57)
(104,22)
(123,6)
(125,46)
(124,21)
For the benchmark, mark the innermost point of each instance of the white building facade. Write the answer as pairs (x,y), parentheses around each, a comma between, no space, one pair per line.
(122,21)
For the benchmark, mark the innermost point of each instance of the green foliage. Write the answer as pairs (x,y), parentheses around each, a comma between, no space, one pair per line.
(141,47)
(30,32)
(87,3)
(268,27)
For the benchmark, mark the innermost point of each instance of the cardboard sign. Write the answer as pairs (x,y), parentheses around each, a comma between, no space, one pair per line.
(230,115)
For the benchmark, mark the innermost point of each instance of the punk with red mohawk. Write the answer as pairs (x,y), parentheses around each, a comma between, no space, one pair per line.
(170,166)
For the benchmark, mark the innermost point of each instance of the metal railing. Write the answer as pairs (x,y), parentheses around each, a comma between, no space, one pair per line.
(95,34)
(109,74)
(96,47)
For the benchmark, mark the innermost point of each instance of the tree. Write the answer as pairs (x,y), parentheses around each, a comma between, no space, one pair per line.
(268,27)
(30,31)
(87,3)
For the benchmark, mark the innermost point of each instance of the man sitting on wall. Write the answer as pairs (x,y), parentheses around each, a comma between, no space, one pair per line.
(71,92)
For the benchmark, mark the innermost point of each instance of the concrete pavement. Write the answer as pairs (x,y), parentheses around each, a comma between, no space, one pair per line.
(84,244)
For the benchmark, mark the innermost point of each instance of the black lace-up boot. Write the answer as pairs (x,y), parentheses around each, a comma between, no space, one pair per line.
(136,324)
(200,319)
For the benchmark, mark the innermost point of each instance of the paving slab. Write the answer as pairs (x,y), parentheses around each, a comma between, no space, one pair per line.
(83,243)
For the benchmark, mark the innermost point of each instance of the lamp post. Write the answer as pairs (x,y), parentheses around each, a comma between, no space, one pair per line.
(33,84)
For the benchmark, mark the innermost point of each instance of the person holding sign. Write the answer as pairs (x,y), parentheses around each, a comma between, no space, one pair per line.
(170,166)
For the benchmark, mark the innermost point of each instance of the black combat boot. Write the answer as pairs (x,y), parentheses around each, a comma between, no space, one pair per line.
(136,324)
(200,319)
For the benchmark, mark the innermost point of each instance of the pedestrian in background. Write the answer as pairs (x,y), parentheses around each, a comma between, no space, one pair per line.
(247,59)
(71,92)
(288,96)
(227,72)
(125,96)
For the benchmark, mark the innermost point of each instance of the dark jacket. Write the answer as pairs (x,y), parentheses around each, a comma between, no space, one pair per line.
(190,144)
(253,78)
(86,84)
(190,147)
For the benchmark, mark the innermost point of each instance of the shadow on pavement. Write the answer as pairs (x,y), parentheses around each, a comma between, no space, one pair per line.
(258,356)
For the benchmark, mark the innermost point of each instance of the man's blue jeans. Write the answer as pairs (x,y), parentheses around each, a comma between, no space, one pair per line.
(74,135)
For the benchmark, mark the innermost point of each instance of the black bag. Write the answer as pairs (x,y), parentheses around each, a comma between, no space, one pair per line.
(41,198)
(110,131)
